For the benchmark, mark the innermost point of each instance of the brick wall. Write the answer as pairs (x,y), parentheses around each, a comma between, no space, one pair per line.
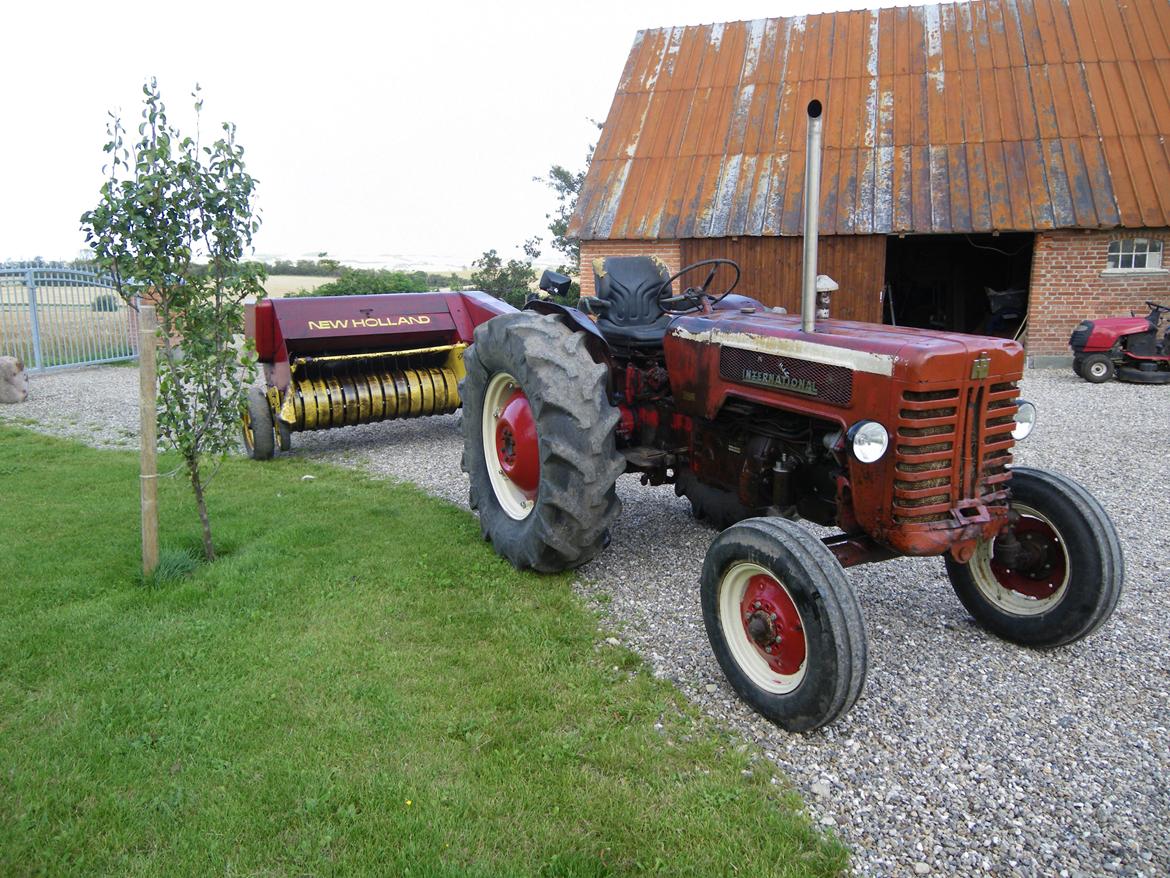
(668,251)
(1070,283)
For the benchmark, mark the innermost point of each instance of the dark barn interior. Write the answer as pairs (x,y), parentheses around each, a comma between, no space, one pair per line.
(967,283)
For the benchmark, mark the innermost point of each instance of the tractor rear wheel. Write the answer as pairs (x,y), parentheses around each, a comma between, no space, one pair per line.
(1068,572)
(1097,368)
(784,624)
(259,430)
(539,443)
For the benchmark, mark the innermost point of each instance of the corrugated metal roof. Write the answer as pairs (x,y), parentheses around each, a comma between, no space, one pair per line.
(961,117)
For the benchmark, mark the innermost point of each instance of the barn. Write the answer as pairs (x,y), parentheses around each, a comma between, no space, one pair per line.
(995,166)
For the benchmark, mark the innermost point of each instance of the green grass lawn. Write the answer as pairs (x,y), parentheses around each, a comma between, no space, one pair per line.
(358,686)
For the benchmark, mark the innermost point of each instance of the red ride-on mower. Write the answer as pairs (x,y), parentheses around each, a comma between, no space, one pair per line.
(1132,348)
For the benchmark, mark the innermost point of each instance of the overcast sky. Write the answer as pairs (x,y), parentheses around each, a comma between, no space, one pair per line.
(376,130)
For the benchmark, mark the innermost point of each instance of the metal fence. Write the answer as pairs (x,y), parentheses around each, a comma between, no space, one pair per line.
(55,316)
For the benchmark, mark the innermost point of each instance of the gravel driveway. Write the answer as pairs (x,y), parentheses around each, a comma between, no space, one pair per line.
(965,755)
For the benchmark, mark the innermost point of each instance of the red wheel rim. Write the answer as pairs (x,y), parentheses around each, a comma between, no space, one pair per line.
(1042,582)
(772,624)
(517,448)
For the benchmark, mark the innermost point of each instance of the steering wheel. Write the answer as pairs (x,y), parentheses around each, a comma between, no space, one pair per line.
(1155,306)
(695,298)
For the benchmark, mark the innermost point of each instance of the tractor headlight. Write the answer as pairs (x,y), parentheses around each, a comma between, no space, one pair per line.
(1025,419)
(869,440)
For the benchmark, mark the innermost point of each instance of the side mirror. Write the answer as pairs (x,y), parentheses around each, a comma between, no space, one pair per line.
(557,284)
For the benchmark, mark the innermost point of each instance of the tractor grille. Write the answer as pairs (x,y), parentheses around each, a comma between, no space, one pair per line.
(832,384)
(997,442)
(952,446)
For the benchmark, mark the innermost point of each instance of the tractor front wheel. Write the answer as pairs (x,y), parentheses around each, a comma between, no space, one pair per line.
(784,624)
(539,444)
(1061,575)
(1097,368)
(259,430)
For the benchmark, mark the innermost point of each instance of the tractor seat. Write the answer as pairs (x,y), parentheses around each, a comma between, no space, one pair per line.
(628,289)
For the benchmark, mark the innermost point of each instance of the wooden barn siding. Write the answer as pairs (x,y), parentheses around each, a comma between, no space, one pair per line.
(772,269)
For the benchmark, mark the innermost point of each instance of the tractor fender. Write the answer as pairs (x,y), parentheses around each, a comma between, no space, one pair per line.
(577,321)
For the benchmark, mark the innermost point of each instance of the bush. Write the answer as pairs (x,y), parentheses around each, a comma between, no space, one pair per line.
(511,281)
(364,281)
(106,302)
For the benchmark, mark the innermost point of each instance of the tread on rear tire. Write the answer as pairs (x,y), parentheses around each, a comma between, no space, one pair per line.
(576,498)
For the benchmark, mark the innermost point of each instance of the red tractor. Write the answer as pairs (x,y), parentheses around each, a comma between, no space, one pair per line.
(900,439)
(1132,348)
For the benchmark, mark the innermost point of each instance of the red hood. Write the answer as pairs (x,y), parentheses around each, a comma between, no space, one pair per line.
(1104,333)
(906,351)
(1120,325)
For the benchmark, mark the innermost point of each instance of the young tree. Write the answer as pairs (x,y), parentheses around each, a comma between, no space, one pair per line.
(509,281)
(168,201)
(567,186)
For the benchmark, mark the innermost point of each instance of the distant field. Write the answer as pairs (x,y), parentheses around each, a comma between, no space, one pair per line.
(279,285)
(71,329)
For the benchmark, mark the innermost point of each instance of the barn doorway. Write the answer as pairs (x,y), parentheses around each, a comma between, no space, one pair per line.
(960,283)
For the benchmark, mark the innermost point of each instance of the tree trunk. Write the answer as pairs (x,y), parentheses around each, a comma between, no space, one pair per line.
(197,486)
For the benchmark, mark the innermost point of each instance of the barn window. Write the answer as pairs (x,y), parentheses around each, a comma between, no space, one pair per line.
(1135,253)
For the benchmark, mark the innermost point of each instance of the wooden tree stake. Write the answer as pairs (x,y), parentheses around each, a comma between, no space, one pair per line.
(148,414)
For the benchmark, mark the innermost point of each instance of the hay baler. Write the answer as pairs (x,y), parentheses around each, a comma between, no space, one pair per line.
(337,361)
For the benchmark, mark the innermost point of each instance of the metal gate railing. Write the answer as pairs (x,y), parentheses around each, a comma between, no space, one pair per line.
(55,316)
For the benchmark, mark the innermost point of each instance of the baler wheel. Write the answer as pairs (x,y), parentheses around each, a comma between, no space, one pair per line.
(1066,580)
(259,431)
(784,624)
(283,435)
(1097,368)
(539,442)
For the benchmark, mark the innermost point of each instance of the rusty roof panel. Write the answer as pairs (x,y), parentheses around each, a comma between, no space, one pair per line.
(985,115)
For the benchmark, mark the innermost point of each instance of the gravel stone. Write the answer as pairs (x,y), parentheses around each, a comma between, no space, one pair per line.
(965,754)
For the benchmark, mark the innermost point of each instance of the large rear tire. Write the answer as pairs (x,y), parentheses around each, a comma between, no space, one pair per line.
(784,624)
(1072,580)
(259,430)
(539,442)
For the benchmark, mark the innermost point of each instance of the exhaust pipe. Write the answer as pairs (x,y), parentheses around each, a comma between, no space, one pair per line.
(812,216)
